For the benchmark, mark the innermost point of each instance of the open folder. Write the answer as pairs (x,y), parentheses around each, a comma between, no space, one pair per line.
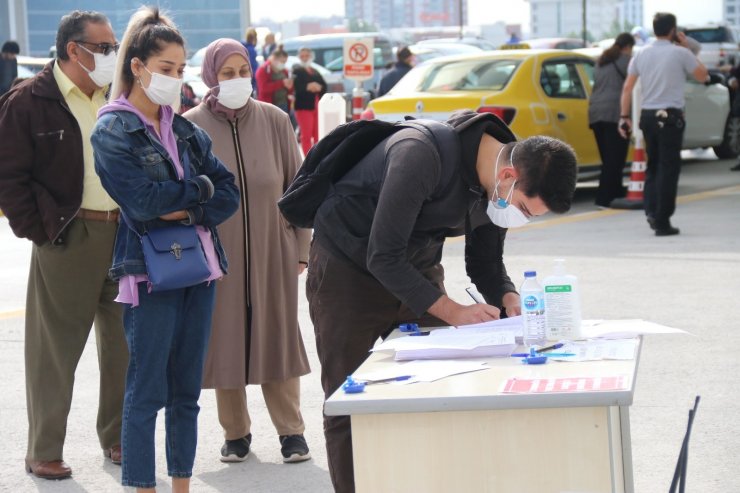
(451,344)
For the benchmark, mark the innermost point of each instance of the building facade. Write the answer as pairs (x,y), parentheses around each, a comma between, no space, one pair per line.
(389,14)
(731,12)
(200,21)
(564,18)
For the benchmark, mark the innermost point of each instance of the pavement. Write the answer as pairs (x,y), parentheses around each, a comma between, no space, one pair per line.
(690,281)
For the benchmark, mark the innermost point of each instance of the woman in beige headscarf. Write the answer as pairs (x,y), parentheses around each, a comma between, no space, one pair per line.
(255,337)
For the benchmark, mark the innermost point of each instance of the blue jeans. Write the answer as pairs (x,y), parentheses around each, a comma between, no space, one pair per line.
(167,336)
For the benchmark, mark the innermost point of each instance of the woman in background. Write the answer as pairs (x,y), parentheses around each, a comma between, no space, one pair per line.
(159,169)
(256,339)
(309,87)
(275,85)
(603,117)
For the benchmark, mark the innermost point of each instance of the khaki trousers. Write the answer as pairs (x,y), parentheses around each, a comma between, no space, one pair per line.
(283,400)
(68,290)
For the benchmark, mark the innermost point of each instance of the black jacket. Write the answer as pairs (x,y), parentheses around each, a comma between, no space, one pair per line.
(392,77)
(391,213)
(304,99)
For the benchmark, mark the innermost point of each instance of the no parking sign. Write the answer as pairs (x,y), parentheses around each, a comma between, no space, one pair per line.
(358,58)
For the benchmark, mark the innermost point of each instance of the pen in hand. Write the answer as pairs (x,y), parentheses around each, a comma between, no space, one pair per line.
(475,295)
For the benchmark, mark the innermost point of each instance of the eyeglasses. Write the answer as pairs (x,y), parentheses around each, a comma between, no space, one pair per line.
(103,48)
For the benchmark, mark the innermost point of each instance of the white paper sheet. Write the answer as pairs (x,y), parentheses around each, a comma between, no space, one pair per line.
(598,349)
(422,371)
(623,329)
(450,344)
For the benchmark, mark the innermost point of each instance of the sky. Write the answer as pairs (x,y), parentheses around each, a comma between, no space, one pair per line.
(487,11)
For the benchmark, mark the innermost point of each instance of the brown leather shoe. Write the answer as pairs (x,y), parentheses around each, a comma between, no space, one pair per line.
(114,454)
(53,469)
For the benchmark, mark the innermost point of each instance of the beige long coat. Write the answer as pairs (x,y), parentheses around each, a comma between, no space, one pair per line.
(263,251)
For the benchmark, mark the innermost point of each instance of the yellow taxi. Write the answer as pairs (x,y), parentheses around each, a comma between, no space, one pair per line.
(535,92)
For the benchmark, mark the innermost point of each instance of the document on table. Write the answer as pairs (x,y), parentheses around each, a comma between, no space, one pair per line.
(422,371)
(451,344)
(511,324)
(623,329)
(598,349)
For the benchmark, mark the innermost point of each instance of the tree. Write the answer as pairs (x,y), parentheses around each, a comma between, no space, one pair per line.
(360,25)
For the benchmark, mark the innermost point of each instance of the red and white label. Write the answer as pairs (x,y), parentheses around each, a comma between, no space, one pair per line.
(572,384)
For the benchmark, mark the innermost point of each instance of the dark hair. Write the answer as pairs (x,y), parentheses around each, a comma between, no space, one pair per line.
(72,28)
(547,169)
(279,52)
(11,47)
(663,22)
(403,54)
(147,33)
(614,51)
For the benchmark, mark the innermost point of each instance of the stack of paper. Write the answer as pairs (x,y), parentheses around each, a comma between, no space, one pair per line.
(451,344)
(511,324)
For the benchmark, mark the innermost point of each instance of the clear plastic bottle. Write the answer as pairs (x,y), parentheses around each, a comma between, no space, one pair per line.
(563,317)
(533,309)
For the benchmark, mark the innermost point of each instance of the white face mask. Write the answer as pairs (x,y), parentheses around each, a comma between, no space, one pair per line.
(278,66)
(105,65)
(234,93)
(163,89)
(501,212)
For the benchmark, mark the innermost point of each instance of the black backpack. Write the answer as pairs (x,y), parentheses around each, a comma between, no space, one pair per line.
(337,153)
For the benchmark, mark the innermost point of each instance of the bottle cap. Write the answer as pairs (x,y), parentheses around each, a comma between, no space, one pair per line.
(530,273)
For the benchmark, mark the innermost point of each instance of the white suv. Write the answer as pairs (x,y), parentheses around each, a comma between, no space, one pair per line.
(719,44)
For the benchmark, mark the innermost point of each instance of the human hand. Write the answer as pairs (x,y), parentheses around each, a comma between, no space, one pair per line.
(456,314)
(288,83)
(301,268)
(625,127)
(313,87)
(174,216)
(512,303)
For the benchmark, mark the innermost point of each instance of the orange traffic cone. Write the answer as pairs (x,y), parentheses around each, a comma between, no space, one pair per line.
(636,187)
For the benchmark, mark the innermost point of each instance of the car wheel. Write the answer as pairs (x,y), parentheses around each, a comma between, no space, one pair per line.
(730,146)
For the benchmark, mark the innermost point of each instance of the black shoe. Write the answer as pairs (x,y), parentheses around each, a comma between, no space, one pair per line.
(294,448)
(236,450)
(736,167)
(667,231)
(651,222)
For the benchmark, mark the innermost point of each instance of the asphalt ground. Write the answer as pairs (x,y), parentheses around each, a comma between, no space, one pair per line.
(690,281)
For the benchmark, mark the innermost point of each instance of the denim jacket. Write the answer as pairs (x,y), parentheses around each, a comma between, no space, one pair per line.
(137,172)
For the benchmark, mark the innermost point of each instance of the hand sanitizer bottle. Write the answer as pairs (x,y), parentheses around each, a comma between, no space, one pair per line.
(563,315)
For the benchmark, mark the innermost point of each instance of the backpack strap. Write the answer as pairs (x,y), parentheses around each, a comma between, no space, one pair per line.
(447,143)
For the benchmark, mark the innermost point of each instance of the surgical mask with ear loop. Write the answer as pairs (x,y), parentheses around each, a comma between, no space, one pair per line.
(105,66)
(501,211)
(163,89)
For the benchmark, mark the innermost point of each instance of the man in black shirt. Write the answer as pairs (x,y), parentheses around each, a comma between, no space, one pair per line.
(403,65)
(378,238)
(8,65)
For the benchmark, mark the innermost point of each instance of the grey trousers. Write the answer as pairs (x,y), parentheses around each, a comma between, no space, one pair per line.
(283,401)
(68,290)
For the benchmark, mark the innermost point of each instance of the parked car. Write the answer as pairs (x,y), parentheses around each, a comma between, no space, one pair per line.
(546,44)
(719,44)
(479,43)
(539,93)
(328,51)
(426,51)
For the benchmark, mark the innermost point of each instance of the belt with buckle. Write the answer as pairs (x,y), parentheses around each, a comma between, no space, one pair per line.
(104,216)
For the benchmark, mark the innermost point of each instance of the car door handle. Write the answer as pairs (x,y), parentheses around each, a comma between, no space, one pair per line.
(561,116)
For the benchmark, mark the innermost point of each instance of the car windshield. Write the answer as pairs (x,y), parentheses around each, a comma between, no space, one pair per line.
(459,75)
(712,35)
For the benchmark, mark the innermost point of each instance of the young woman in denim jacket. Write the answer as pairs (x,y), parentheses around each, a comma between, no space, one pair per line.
(141,147)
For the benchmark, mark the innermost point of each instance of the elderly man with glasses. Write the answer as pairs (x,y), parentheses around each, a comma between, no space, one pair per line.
(51,195)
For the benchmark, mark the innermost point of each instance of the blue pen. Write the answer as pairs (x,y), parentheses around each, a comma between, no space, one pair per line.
(556,355)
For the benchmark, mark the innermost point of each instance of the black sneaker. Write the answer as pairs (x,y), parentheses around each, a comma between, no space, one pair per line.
(294,448)
(236,450)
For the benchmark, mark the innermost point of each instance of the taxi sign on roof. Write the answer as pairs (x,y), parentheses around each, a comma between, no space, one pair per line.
(358,58)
